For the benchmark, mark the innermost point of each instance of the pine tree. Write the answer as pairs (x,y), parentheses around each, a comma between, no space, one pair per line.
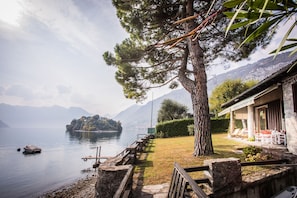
(175,40)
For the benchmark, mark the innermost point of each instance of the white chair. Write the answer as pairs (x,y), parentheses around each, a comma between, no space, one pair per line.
(266,138)
(279,137)
(282,139)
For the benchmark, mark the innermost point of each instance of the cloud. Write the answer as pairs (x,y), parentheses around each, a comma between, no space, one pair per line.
(71,23)
(2,89)
(20,91)
(54,57)
(63,89)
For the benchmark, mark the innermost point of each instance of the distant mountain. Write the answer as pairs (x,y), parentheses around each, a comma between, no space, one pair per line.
(139,116)
(39,117)
(3,125)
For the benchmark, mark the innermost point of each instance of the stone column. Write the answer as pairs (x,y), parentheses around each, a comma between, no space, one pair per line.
(231,123)
(250,122)
(224,175)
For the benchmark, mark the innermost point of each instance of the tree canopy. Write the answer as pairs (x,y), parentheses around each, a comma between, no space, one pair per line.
(94,123)
(171,110)
(226,91)
(176,40)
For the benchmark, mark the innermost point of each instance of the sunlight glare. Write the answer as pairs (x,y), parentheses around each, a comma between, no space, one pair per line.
(10,12)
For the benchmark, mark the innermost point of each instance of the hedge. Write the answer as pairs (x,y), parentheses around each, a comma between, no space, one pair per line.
(182,127)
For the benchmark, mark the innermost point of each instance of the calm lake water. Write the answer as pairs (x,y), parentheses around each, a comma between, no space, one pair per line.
(58,164)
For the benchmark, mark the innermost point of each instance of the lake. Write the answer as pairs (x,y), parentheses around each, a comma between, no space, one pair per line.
(60,161)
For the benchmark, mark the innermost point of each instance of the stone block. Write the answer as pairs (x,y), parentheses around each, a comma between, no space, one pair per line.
(224,174)
(109,180)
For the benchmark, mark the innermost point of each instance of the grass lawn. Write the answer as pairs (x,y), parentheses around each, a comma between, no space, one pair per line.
(156,164)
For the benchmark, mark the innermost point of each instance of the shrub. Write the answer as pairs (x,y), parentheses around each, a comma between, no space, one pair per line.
(185,127)
(219,125)
(254,154)
(174,128)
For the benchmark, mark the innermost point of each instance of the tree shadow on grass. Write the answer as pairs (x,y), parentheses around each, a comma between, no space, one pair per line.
(140,165)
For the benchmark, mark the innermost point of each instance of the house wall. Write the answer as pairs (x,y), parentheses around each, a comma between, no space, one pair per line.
(290,115)
(241,114)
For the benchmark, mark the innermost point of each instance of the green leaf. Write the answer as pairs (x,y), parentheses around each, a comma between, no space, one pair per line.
(286,47)
(240,24)
(234,17)
(232,3)
(285,37)
(270,5)
(260,30)
(247,15)
(292,39)
(263,8)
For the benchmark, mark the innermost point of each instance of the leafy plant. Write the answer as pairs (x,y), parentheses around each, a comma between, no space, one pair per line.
(270,14)
(253,154)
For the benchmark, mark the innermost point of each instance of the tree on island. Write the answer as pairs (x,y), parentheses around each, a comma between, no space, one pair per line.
(94,123)
(175,40)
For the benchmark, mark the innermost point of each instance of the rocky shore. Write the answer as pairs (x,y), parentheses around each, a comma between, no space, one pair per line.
(83,188)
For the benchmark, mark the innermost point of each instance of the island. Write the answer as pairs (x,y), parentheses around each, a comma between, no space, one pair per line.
(94,123)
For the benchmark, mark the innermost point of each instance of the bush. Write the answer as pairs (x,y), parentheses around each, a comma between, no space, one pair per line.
(185,127)
(254,154)
(219,125)
(173,128)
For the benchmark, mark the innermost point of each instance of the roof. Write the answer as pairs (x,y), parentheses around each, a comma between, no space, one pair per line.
(275,78)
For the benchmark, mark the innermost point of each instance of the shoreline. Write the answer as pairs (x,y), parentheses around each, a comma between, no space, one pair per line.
(98,131)
(84,187)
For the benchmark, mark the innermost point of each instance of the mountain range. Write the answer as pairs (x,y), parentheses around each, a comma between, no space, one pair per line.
(136,116)
(142,116)
(38,117)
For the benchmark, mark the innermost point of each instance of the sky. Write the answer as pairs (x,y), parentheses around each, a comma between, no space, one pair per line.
(51,54)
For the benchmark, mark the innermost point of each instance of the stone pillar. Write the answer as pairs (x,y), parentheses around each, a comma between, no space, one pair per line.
(231,123)
(109,180)
(250,122)
(224,175)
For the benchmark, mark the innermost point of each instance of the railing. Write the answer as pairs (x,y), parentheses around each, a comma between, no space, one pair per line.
(125,187)
(131,151)
(181,180)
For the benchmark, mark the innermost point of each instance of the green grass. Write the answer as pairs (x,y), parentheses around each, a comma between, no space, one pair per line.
(156,164)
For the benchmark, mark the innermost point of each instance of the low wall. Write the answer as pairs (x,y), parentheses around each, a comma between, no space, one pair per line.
(266,187)
(227,181)
(115,175)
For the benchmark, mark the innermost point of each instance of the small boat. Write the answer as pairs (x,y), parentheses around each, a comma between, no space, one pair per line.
(31,149)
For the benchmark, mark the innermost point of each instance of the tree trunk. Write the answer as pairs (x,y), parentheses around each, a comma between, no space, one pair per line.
(203,142)
(198,90)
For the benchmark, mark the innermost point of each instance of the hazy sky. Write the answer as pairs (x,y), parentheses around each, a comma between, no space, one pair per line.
(51,54)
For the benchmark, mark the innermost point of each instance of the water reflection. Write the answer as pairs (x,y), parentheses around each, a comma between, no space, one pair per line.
(92,137)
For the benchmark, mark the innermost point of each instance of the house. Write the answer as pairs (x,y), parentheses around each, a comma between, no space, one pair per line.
(270,105)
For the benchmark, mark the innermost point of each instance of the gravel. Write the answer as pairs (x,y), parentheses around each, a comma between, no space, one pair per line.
(83,188)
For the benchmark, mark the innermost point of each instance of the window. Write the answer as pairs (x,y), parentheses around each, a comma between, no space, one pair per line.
(294,90)
(262,118)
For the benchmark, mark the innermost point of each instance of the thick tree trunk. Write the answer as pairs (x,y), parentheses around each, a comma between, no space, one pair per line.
(203,142)
(198,90)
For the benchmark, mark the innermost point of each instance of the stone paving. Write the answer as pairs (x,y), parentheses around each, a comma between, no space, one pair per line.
(155,191)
